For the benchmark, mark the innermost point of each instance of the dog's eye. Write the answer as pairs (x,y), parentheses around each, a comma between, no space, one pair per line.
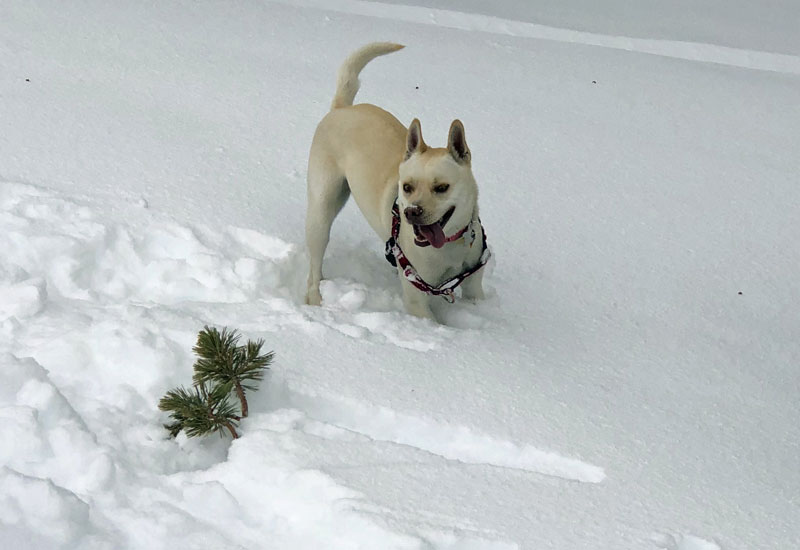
(441,188)
(407,188)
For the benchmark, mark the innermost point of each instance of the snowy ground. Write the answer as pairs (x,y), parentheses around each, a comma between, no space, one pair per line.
(630,382)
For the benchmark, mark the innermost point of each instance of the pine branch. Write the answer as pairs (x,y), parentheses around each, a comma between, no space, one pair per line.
(242,399)
(199,411)
(215,354)
(221,361)
(250,363)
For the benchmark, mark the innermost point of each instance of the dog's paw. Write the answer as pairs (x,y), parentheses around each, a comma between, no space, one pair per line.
(313,297)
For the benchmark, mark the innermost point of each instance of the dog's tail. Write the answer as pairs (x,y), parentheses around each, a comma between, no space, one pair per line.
(347,80)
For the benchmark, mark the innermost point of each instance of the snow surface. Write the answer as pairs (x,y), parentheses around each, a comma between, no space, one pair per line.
(631,380)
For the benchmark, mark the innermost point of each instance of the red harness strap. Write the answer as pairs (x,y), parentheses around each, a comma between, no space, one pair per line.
(396,257)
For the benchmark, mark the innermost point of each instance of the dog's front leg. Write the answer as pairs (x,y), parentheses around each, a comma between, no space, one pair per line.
(472,287)
(417,303)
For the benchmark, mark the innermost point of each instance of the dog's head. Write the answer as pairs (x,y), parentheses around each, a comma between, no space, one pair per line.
(438,194)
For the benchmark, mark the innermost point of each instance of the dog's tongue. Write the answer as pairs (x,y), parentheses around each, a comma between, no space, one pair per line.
(434,234)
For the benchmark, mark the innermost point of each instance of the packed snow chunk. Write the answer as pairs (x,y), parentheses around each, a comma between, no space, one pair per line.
(353,300)
(26,383)
(459,541)
(134,359)
(40,507)
(22,299)
(50,439)
(209,500)
(166,263)
(158,261)
(171,241)
(263,245)
(682,542)
(22,437)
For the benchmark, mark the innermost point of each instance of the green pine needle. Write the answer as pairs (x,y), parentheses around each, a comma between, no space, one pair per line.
(250,364)
(216,353)
(198,411)
(222,361)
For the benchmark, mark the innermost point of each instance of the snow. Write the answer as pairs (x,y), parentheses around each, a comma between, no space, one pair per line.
(630,381)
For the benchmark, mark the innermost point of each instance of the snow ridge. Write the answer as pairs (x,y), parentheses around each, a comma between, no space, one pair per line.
(692,51)
(459,443)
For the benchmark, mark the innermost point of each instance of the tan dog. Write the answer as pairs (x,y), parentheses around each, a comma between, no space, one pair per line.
(364,150)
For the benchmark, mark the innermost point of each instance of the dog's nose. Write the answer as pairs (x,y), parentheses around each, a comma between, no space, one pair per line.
(413,212)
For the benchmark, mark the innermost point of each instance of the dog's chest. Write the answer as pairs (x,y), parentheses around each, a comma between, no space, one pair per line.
(439,265)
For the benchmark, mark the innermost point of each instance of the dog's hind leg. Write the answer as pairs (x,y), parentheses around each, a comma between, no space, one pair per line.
(327,194)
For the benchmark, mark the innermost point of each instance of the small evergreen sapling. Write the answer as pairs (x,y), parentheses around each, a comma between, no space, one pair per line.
(221,361)
(222,367)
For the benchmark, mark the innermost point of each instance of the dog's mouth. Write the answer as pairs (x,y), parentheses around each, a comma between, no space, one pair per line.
(433,234)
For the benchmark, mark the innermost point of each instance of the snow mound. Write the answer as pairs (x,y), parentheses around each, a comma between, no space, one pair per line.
(107,313)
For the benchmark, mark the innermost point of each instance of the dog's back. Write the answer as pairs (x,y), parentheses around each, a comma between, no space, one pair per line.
(357,148)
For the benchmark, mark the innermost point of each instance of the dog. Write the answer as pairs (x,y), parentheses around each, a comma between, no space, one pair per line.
(365,151)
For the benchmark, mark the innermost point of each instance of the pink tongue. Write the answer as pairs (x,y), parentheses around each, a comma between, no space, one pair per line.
(434,234)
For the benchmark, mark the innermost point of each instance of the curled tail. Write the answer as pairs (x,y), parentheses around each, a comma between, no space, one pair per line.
(347,80)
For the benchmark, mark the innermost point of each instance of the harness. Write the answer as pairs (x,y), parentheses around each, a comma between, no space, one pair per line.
(395,256)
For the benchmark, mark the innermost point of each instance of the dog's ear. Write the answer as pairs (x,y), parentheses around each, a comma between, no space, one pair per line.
(414,142)
(457,143)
